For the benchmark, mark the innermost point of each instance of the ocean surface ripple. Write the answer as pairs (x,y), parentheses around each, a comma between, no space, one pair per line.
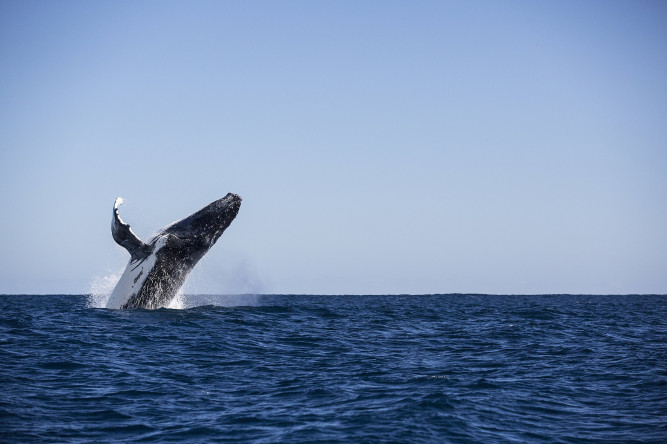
(435,368)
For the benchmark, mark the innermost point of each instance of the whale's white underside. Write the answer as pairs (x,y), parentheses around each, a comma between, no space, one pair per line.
(134,276)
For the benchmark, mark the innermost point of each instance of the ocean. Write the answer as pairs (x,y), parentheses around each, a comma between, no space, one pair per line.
(299,368)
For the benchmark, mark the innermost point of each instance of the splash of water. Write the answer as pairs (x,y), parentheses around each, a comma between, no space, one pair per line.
(101,287)
(178,303)
(236,286)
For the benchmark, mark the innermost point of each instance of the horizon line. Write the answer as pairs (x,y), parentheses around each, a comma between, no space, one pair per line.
(364,294)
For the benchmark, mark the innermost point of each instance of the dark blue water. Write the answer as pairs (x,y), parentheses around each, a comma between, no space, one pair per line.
(452,368)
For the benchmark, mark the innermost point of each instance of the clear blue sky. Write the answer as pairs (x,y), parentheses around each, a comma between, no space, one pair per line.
(379,147)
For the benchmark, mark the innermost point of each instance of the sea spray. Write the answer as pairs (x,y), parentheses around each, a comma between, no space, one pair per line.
(178,303)
(101,287)
(232,283)
(231,274)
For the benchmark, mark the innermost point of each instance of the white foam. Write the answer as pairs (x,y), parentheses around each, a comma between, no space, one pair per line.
(100,289)
(178,303)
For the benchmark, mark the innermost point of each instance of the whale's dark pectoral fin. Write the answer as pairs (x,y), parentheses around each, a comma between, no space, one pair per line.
(122,233)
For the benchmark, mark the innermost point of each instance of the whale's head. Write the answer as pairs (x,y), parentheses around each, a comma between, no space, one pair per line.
(202,229)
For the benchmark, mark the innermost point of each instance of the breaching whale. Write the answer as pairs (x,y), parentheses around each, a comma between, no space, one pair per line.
(158,268)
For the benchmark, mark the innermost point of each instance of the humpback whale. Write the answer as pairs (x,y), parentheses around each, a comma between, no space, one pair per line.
(158,268)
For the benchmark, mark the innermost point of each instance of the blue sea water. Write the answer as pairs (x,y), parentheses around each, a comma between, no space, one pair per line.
(436,368)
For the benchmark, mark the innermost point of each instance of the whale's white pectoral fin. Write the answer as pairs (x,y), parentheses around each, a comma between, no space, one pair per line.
(122,233)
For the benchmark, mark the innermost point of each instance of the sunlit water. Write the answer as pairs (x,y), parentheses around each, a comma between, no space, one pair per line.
(451,368)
